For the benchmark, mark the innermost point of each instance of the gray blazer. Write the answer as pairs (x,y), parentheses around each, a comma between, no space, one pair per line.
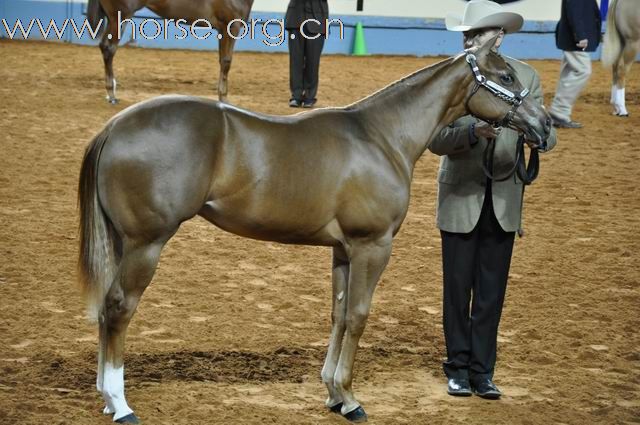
(461,180)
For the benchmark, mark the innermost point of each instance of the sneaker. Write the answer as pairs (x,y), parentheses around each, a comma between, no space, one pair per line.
(560,123)
(295,103)
(309,103)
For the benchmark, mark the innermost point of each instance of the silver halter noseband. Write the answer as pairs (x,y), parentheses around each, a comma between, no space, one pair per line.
(495,89)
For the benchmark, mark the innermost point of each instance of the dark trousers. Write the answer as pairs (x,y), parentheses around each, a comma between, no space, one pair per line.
(304,65)
(474,263)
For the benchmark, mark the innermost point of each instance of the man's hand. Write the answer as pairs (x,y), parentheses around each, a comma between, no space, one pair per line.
(582,44)
(483,129)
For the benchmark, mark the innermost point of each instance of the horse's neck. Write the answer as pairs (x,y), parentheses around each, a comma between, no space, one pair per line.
(409,113)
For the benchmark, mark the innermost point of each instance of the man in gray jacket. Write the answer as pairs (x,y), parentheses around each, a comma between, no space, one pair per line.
(478,217)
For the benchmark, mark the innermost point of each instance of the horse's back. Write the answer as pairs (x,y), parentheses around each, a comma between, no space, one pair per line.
(168,156)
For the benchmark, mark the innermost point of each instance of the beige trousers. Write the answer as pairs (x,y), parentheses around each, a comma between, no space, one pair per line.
(575,71)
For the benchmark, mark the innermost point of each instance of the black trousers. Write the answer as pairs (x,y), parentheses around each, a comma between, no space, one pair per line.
(475,268)
(304,65)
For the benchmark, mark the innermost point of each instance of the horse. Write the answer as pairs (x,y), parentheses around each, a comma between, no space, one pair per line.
(337,177)
(223,15)
(621,46)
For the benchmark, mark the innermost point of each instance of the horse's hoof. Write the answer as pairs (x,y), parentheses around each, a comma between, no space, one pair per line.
(129,419)
(357,415)
(336,408)
(113,101)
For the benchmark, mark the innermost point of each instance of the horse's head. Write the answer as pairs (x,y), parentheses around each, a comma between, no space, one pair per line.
(499,98)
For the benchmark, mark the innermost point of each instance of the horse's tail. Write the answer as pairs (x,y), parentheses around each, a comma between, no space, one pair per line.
(612,41)
(100,244)
(96,16)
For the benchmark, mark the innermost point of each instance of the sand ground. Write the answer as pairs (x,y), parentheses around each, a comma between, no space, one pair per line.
(234,331)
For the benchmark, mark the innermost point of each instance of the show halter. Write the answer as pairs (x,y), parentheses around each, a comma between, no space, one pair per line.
(495,89)
(527,173)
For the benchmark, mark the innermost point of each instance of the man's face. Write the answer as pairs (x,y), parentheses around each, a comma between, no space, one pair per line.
(479,36)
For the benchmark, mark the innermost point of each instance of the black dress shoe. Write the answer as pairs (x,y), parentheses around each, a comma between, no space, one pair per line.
(295,103)
(485,388)
(459,387)
(309,103)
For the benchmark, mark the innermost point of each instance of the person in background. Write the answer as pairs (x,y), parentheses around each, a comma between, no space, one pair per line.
(478,217)
(577,34)
(305,49)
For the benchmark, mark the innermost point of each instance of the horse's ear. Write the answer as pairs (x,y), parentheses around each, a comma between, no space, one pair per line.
(486,47)
(473,50)
(480,50)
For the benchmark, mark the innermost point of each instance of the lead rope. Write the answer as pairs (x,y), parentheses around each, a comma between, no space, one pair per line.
(526,172)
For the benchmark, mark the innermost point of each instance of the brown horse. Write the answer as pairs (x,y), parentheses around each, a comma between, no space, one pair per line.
(621,46)
(220,13)
(336,177)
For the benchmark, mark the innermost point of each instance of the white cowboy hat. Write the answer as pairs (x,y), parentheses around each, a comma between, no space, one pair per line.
(484,14)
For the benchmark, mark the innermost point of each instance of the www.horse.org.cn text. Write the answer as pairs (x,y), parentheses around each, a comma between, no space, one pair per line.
(272,30)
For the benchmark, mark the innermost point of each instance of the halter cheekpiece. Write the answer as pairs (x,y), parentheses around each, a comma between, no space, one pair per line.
(495,89)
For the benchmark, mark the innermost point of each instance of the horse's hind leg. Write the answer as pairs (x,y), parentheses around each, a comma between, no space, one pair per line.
(136,268)
(340,277)
(620,71)
(226,56)
(367,261)
(617,89)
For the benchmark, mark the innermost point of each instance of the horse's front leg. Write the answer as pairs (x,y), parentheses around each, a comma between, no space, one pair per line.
(340,277)
(108,47)
(367,261)
(226,56)
(135,271)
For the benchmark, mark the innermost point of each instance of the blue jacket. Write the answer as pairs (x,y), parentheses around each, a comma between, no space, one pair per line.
(579,20)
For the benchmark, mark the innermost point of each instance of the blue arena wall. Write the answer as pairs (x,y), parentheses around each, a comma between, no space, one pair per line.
(384,35)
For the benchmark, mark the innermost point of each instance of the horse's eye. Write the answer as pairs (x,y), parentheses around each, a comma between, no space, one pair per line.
(506,79)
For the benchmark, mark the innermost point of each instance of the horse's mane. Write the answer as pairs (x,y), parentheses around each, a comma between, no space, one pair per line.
(409,80)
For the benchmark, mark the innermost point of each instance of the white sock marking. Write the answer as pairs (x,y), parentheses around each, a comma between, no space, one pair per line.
(618,100)
(113,391)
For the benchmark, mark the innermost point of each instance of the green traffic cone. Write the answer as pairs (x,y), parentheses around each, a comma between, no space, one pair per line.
(359,44)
